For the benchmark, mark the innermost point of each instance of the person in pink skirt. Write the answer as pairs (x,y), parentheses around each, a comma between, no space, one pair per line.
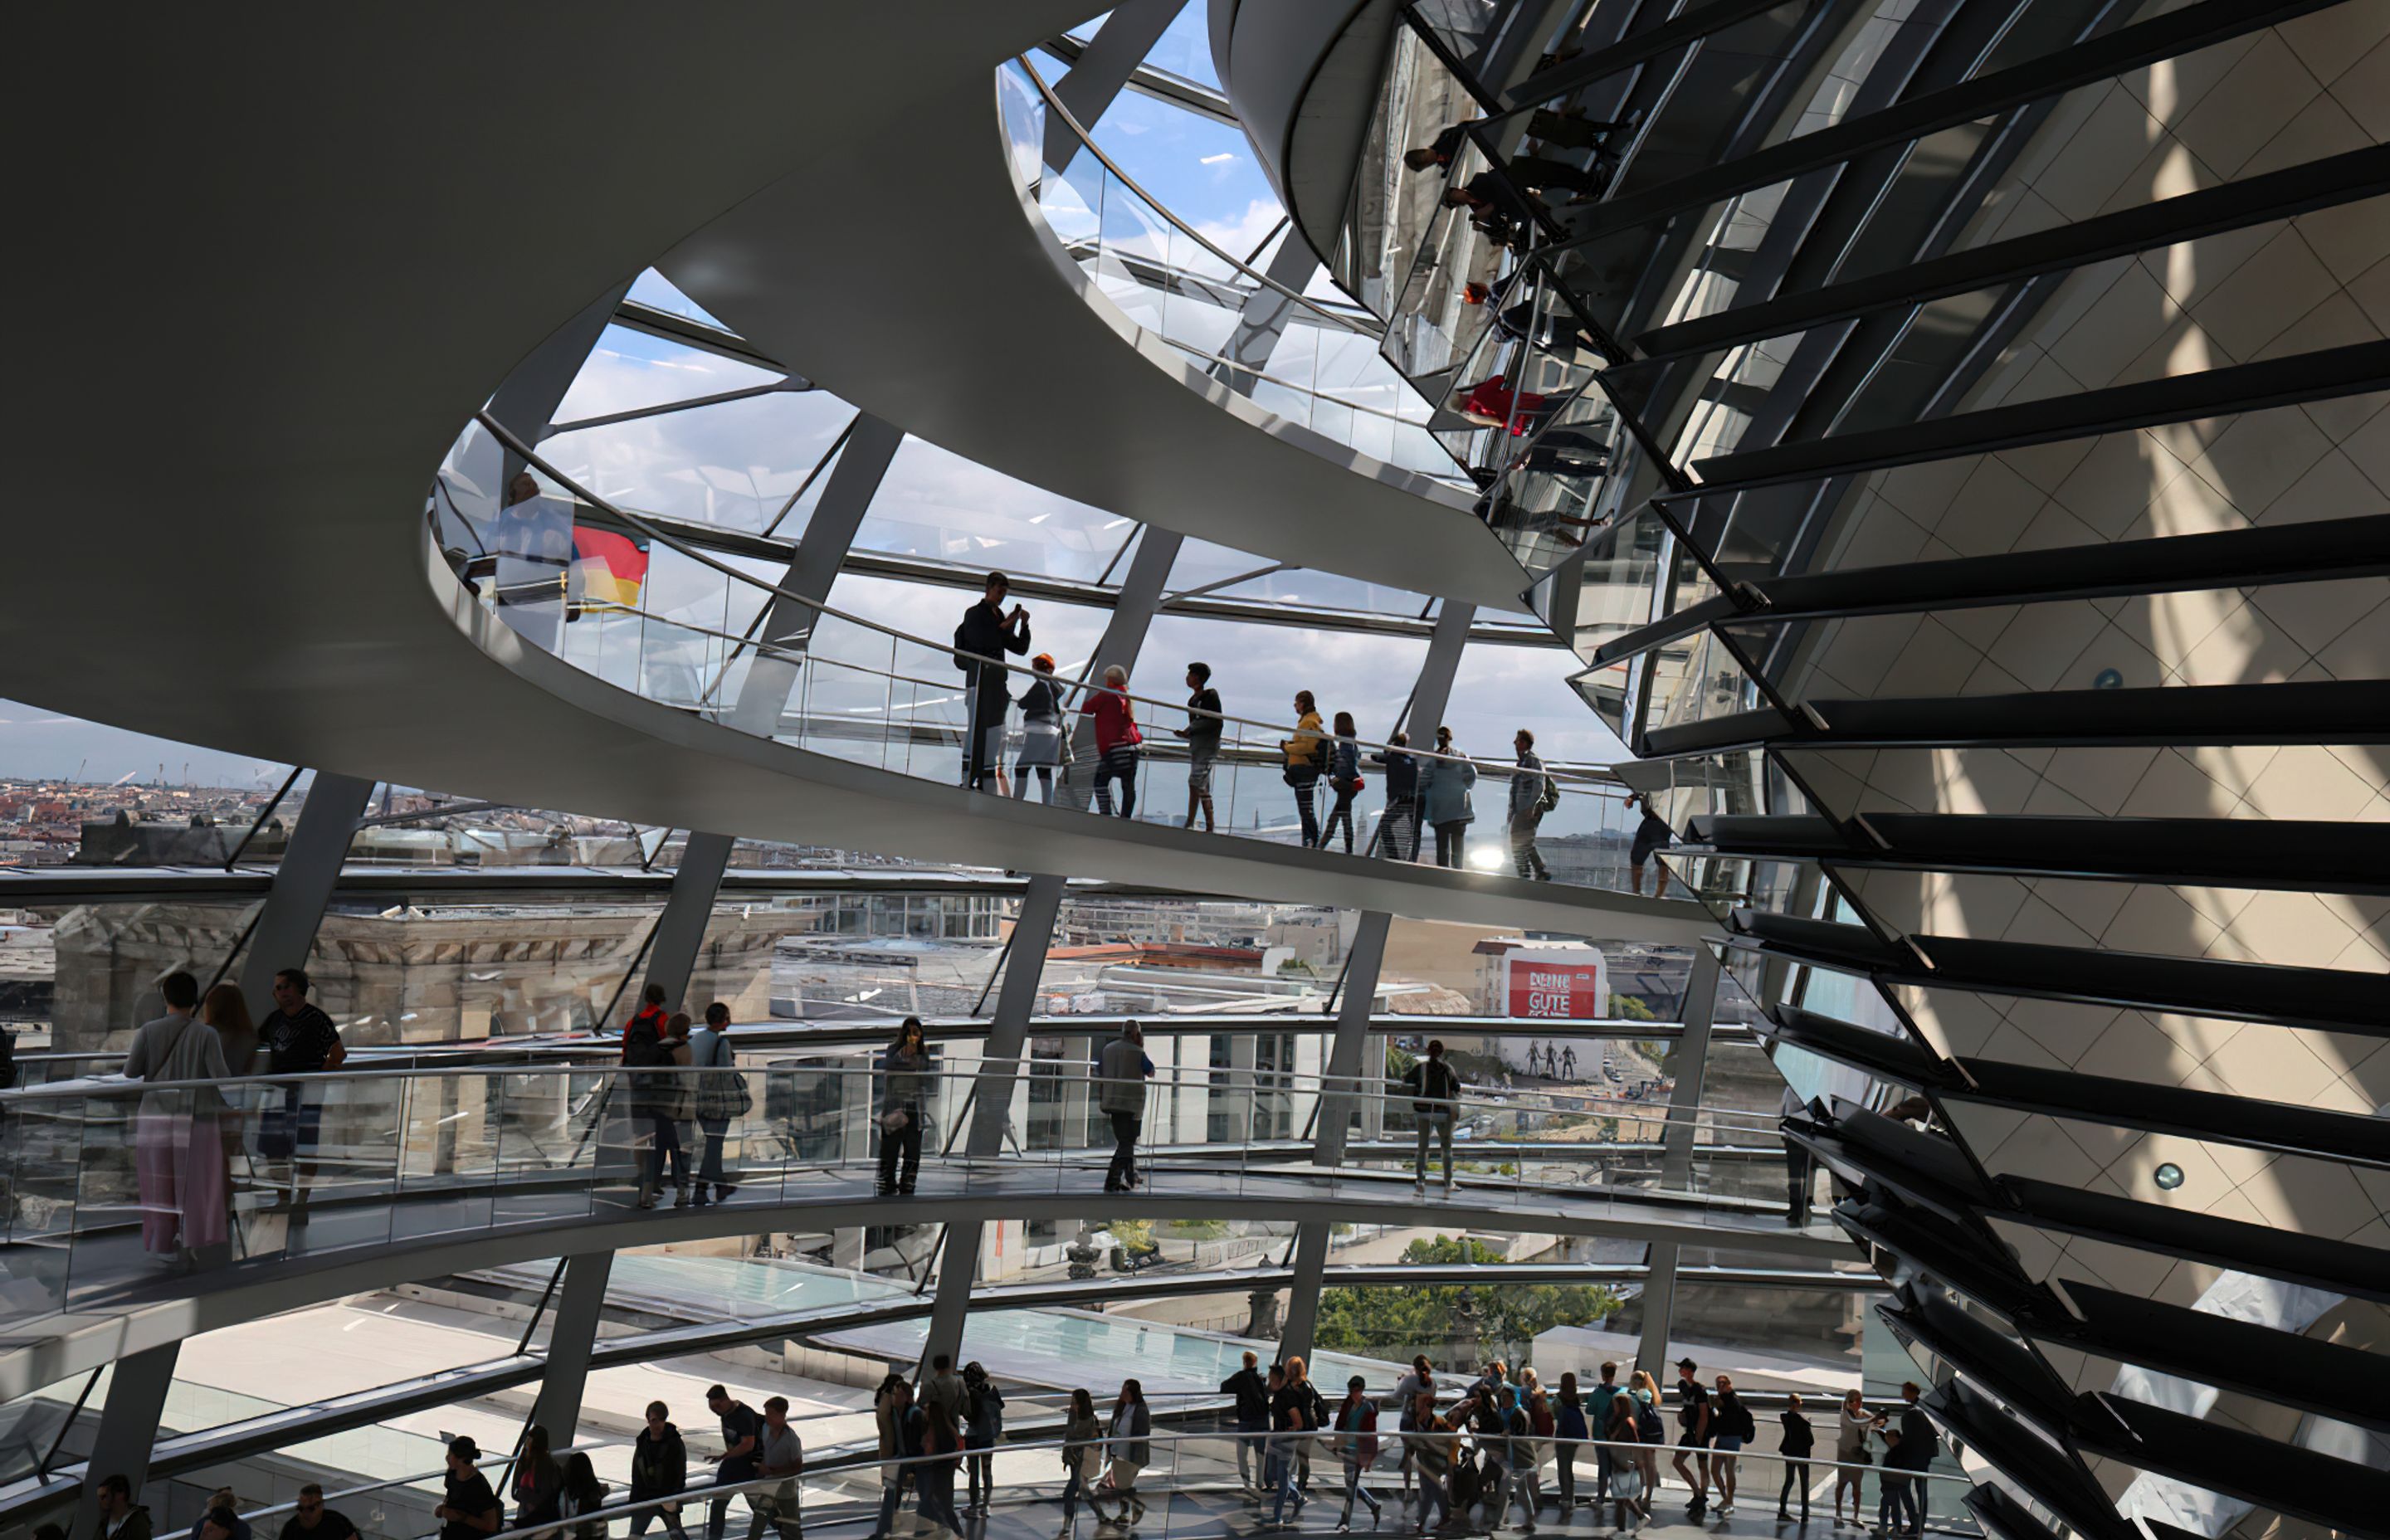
(178,1146)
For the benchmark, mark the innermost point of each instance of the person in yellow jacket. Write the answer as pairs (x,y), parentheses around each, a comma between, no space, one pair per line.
(1304,753)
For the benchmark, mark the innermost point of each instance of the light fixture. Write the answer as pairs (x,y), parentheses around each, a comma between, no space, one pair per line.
(2108,679)
(2168,1176)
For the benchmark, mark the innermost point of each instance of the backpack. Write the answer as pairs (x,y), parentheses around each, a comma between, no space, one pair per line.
(1550,798)
(1647,1422)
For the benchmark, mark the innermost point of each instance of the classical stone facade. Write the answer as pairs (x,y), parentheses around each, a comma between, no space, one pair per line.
(407,975)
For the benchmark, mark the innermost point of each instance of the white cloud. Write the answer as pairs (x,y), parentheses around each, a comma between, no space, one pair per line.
(1220,160)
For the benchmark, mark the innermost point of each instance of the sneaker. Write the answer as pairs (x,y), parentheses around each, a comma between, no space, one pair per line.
(680,1198)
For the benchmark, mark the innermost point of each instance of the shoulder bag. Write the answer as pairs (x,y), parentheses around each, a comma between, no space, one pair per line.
(722,1096)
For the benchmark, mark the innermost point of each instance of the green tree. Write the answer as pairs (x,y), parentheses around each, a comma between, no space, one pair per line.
(1455,1325)
(1628,1008)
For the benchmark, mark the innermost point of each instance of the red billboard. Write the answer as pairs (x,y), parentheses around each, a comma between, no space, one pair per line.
(1572,986)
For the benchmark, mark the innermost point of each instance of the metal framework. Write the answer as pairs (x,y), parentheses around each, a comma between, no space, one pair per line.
(1845,351)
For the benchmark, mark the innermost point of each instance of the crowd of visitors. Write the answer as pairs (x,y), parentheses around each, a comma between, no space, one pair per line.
(1453,1455)
(1423,792)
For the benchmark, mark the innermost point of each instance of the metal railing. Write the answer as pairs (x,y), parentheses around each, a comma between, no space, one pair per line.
(124,1191)
(870,693)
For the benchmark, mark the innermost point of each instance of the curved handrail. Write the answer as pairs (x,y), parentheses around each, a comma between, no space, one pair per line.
(659,536)
(485,1150)
(1117,233)
(1543,1100)
(1087,142)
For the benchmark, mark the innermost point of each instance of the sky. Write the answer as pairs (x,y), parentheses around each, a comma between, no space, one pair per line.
(38,744)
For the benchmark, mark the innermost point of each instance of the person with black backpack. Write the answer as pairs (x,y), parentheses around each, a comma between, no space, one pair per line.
(1650,1432)
(1732,1422)
(983,1430)
(1435,1100)
(1533,794)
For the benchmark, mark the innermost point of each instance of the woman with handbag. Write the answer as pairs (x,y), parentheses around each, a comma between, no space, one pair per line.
(669,1101)
(903,1081)
(1042,738)
(1851,1429)
(942,1447)
(1343,778)
(722,1099)
(1116,742)
(1083,1456)
(1445,804)
(178,1149)
(1307,756)
(1130,1449)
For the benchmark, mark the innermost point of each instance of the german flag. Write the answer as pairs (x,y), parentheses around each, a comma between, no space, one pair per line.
(611,567)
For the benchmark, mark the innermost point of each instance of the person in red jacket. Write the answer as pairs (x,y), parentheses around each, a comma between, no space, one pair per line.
(1356,1445)
(1491,402)
(1116,742)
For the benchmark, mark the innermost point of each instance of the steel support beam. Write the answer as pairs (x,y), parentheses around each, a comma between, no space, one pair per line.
(1159,83)
(1348,1045)
(2329,999)
(1691,1056)
(128,1428)
(786,624)
(526,402)
(1688,26)
(2083,63)
(680,929)
(2335,179)
(2354,710)
(1105,64)
(1000,1062)
(764,690)
(302,883)
(1347,1049)
(1133,610)
(571,1333)
(690,332)
(2320,376)
(2304,855)
(1363,964)
(1659,1310)
(1265,317)
(1433,691)
(2325,551)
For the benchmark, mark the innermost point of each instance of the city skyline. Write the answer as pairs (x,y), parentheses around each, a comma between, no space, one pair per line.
(38,744)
